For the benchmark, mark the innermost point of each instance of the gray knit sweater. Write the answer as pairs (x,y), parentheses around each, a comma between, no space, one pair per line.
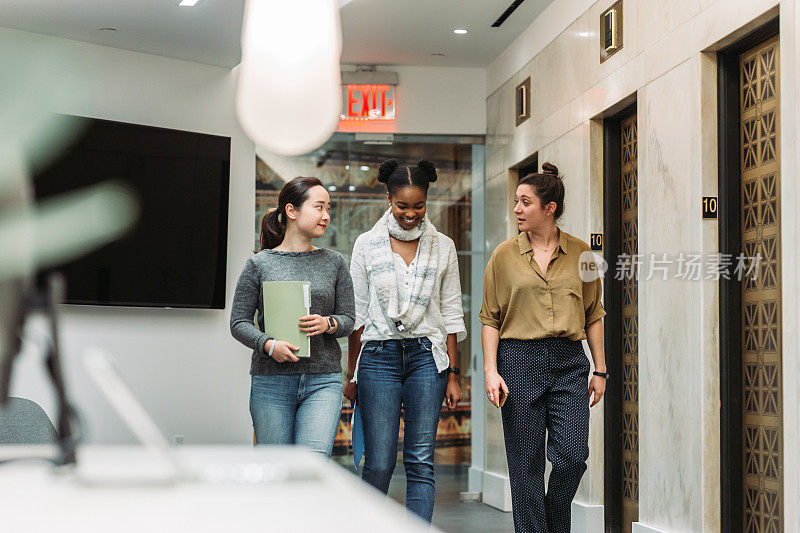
(331,295)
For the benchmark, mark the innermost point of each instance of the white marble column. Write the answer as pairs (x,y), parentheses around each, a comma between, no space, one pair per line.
(678,326)
(495,483)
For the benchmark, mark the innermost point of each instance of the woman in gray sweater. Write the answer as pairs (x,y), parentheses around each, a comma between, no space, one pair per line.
(293,400)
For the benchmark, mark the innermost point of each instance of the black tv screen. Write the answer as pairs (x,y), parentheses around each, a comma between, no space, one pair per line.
(176,254)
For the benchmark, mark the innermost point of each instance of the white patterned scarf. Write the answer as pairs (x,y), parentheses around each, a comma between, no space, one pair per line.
(382,273)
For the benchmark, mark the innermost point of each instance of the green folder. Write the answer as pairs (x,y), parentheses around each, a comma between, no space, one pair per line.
(285,303)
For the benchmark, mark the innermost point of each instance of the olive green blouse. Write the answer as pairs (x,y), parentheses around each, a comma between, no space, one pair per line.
(524,303)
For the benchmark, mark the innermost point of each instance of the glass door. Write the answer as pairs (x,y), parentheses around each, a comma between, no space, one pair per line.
(348,166)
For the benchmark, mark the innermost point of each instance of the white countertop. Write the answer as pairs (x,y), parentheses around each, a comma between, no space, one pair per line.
(120,489)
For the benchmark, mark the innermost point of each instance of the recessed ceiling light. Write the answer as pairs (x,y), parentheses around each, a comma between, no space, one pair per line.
(460,31)
(332,188)
(188,3)
(352,188)
(108,29)
(364,168)
(437,54)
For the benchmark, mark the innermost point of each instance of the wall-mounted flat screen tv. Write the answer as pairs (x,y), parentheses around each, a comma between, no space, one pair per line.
(176,254)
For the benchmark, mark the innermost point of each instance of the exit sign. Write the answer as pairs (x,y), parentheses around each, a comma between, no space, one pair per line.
(368,102)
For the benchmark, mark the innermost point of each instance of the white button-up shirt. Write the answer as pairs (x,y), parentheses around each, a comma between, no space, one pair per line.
(444,315)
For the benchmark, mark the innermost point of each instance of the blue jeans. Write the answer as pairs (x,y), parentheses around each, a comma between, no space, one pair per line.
(300,409)
(394,374)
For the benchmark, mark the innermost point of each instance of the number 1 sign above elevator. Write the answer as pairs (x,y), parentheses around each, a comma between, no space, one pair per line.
(371,103)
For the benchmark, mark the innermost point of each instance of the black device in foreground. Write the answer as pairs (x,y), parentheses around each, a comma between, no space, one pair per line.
(176,254)
(42,299)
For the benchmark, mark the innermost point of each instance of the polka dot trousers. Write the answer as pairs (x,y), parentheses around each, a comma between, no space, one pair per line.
(548,390)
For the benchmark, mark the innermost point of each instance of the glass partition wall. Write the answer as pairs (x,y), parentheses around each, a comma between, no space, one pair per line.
(349,167)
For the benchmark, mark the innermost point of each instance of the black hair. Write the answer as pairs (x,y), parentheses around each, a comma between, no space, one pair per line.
(273,223)
(396,177)
(548,187)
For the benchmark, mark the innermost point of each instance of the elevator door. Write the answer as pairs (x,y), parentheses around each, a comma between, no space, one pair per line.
(762,426)
(630,326)
(621,327)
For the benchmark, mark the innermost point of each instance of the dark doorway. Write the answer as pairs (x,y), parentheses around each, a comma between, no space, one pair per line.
(621,418)
(530,166)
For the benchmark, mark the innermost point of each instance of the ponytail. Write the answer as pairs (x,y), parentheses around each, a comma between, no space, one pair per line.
(272,229)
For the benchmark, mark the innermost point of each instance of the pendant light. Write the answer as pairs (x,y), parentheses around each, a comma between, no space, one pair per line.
(288,95)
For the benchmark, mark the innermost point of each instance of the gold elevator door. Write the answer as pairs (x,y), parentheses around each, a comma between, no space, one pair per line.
(630,326)
(762,428)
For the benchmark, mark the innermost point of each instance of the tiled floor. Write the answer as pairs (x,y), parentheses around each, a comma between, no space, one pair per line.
(450,514)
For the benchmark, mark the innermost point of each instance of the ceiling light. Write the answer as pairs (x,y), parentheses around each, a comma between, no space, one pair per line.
(289,93)
(188,3)
(352,188)
(347,167)
(460,31)
(364,168)
(332,188)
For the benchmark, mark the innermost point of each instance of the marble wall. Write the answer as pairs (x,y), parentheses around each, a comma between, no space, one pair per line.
(668,66)
(496,230)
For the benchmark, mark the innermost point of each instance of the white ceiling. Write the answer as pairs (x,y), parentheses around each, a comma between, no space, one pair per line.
(407,32)
(387,32)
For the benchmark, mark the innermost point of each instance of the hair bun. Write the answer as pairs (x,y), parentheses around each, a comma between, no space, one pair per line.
(386,169)
(549,168)
(428,169)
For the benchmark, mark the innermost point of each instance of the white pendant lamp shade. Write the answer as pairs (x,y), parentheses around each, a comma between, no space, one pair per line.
(288,96)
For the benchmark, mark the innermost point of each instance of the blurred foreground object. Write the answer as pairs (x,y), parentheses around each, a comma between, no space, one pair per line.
(23,421)
(230,488)
(35,238)
(37,80)
(289,95)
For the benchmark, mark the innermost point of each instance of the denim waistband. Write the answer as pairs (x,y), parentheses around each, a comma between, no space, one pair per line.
(420,341)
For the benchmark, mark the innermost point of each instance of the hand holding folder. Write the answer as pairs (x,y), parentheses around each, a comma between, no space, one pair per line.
(285,303)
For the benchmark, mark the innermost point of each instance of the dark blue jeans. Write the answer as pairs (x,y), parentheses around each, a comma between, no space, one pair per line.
(395,374)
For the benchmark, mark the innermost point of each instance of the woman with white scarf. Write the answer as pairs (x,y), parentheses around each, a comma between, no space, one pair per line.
(409,319)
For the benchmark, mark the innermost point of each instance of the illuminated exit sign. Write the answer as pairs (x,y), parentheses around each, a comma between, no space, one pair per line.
(368,102)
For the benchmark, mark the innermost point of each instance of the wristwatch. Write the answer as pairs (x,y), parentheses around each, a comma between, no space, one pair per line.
(454,370)
(331,323)
(603,375)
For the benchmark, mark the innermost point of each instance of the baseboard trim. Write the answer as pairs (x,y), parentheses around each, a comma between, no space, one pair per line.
(638,527)
(497,491)
(587,518)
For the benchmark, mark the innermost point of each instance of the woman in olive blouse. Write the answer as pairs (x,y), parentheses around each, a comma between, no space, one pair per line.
(536,311)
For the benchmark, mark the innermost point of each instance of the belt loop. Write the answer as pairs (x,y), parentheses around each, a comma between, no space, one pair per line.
(419,341)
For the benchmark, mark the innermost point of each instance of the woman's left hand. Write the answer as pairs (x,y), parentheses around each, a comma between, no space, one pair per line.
(314,325)
(453,393)
(597,385)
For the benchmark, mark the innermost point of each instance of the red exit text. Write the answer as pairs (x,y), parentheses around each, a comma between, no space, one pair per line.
(368,102)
